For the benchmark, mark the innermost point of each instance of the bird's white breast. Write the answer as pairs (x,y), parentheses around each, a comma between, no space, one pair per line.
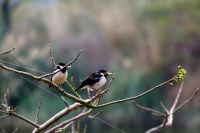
(59,77)
(99,84)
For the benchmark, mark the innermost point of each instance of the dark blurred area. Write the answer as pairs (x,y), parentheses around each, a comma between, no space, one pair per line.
(142,41)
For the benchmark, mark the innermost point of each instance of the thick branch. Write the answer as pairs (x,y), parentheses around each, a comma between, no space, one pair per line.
(45,81)
(68,121)
(56,117)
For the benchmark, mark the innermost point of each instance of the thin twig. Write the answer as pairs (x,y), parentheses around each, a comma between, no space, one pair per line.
(68,64)
(197,92)
(51,55)
(155,112)
(164,108)
(92,117)
(63,128)
(85,128)
(72,88)
(73,130)
(24,119)
(177,98)
(57,117)
(65,101)
(7,52)
(38,109)
(68,121)
(4,116)
(168,121)
(16,129)
(110,125)
(135,97)
(110,82)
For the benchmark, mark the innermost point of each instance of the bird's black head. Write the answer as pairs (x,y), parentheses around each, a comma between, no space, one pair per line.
(61,65)
(104,72)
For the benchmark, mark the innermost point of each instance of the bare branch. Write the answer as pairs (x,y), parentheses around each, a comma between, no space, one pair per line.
(135,97)
(164,108)
(16,129)
(73,130)
(177,98)
(10,111)
(38,110)
(168,120)
(24,119)
(56,87)
(85,129)
(196,93)
(92,117)
(65,101)
(72,88)
(51,56)
(7,52)
(154,112)
(63,128)
(68,64)
(57,116)
(68,121)
(110,82)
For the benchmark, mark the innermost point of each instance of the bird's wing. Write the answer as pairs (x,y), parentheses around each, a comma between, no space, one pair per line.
(90,80)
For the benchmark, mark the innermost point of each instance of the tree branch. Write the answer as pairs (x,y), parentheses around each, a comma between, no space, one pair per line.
(56,87)
(168,120)
(7,52)
(155,112)
(56,117)
(196,93)
(24,119)
(51,56)
(135,97)
(63,124)
(38,110)
(68,64)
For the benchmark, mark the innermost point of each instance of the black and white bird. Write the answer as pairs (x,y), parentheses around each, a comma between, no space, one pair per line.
(61,74)
(94,81)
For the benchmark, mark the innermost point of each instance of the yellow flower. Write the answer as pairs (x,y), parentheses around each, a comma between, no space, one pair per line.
(180,74)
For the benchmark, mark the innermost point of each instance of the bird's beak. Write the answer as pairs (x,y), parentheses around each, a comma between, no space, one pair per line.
(69,66)
(109,73)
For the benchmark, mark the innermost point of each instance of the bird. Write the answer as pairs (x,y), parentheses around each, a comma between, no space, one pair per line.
(95,80)
(61,74)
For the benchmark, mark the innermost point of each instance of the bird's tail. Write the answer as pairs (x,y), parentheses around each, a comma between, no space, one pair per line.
(78,88)
(81,86)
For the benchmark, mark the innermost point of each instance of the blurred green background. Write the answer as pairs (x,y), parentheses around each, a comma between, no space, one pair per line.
(142,41)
